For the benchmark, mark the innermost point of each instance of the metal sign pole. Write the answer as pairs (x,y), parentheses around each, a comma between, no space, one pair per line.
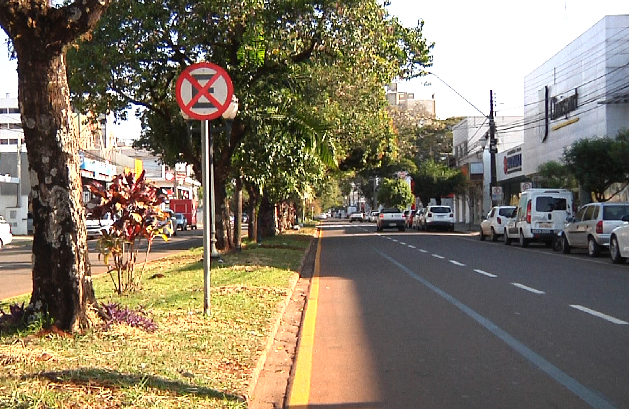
(205,135)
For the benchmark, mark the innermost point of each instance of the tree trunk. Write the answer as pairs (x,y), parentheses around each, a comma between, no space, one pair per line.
(266,226)
(254,203)
(223,227)
(62,285)
(238,215)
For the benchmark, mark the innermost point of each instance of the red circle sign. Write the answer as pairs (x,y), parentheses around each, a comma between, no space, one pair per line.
(204,91)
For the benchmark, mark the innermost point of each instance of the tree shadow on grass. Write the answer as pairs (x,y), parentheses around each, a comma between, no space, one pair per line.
(97,377)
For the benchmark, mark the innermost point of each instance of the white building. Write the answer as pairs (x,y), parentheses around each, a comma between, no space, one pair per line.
(474,161)
(580,92)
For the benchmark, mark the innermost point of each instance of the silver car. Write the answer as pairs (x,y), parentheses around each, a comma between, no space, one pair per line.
(591,227)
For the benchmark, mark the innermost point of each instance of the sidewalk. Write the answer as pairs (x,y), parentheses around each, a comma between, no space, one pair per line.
(467,227)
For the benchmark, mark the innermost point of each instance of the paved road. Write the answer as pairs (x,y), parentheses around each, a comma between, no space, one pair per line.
(15,260)
(442,320)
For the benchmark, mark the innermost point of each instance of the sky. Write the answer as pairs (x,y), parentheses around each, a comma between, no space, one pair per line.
(492,45)
(480,46)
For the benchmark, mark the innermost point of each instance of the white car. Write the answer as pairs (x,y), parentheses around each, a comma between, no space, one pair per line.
(96,226)
(619,242)
(497,218)
(438,217)
(6,235)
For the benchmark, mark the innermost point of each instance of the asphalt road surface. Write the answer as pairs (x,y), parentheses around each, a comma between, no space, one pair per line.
(442,320)
(15,260)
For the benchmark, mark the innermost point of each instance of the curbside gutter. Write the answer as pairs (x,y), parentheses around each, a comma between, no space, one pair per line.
(269,384)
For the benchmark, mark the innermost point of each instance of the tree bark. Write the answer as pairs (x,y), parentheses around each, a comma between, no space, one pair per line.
(266,226)
(238,215)
(254,202)
(223,227)
(62,282)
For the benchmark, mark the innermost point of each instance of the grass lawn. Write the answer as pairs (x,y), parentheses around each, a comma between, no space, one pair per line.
(190,361)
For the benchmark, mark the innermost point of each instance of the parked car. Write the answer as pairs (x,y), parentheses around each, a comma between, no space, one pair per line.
(169,226)
(541,214)
(321,216)
(592,226)
(356,217)
(95,226)
(417,219)
(497,218)
(6,234)
(619,242)
(182,222)
(438,217)
(391,218)
(410,217)
(373,216)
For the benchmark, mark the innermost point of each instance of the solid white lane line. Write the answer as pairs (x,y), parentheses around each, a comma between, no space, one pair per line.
(533,290)
(456,263)
(411,246)
(600,315)
(485,273)
(438,256)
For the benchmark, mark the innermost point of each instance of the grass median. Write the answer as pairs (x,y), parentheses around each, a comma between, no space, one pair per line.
(189,361)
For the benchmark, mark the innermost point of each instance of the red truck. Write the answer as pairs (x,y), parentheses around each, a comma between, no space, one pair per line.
(188,208)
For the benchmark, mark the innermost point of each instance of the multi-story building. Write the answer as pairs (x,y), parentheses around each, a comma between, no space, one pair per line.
(580,92)
(469,155)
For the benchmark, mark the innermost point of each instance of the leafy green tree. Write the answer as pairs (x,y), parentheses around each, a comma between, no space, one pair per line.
(556,175)
(39,35)
(279,56)
(597,166)
(395,193)
(434,180)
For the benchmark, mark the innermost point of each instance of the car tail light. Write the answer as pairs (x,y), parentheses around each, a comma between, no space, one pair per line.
(528,212)
(499,220)
(451,215)
(599,227)
(429,214)
(381,216)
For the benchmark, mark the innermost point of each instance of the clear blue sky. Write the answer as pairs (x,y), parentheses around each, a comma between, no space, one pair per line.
(479,46)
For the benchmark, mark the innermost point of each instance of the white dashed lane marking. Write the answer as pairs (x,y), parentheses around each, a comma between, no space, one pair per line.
(530,289)
(456,263)
(600,315)
(438,256)
(485,273)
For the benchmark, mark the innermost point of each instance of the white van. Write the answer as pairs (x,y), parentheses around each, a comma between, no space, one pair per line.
(541,214)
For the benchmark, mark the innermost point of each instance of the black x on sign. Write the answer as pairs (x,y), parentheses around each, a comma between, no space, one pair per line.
(204,91)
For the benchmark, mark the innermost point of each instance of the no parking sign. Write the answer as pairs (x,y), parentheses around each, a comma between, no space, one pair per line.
(204,91)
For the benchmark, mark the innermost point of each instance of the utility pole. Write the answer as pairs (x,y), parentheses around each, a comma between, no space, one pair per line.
(493,146)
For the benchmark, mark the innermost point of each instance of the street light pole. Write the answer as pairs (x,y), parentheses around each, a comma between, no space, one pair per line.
(493,148)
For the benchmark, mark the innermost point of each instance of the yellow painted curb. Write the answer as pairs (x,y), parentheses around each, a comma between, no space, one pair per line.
(300,390)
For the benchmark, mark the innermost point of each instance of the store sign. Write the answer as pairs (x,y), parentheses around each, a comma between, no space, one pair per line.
(562,107)
(512,161)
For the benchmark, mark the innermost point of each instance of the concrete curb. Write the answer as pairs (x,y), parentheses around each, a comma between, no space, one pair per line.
(270,393)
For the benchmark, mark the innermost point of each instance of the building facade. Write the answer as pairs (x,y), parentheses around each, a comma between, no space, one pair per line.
(580,92)
(469,155)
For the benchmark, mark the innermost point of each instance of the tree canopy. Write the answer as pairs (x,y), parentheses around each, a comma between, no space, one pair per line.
(435,180)
(395,193)
(599,164)
(293,65)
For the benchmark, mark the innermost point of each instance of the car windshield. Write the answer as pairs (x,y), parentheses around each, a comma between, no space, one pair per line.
(506,211)
(615,212)
(440,209)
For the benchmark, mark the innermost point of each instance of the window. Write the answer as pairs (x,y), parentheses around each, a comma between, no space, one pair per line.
(14,110)
(589,213)
(615,212)
(581,214)
(550,204)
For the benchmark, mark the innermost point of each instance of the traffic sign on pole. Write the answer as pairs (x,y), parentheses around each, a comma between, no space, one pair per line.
(204,91)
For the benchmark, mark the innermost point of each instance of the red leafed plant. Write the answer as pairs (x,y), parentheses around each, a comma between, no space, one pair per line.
(135,208)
